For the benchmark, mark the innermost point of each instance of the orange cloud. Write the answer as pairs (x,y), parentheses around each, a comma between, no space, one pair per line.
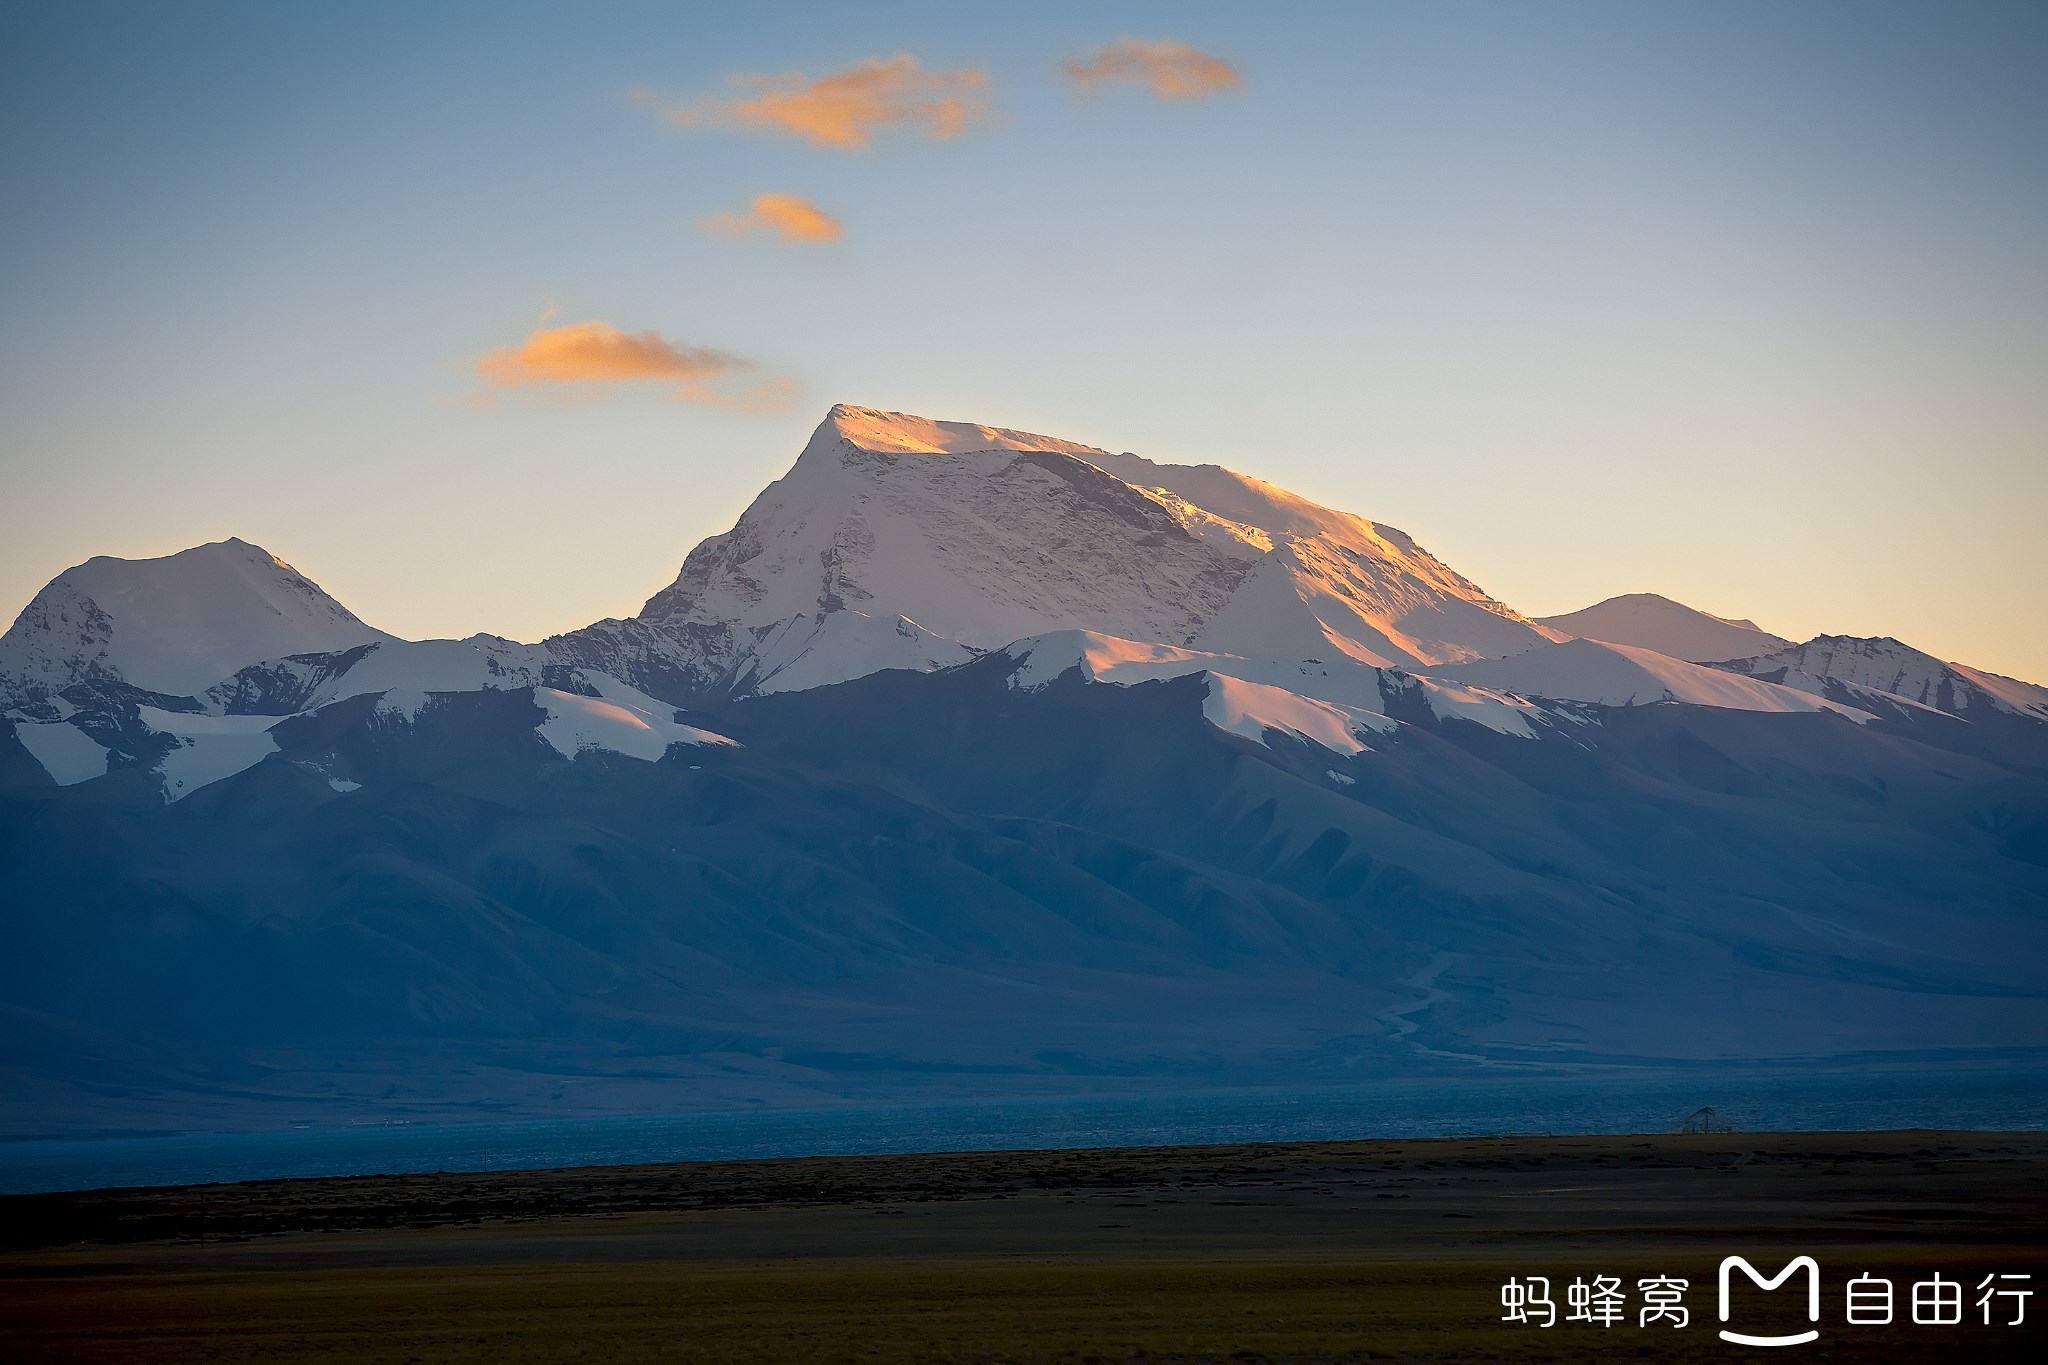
(594,355)
(1171,70)
(782,215)
(842,110)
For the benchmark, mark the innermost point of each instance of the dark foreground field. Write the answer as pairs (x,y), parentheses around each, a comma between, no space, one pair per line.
(1325,1252)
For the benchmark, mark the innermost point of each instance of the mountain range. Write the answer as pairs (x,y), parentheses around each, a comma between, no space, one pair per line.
(972,761)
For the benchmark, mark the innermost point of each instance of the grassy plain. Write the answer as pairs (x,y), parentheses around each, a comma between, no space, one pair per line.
(1305,1252)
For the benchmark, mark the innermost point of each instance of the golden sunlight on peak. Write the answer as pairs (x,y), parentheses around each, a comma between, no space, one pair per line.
(906,434)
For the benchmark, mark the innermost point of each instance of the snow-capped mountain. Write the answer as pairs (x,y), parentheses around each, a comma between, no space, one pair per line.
(173,625)
(1888,667)
(1005,757)
(900,542)
(1647,621)
(897,542)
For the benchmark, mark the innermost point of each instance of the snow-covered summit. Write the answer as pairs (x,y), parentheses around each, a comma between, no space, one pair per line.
(945,537)
(899,433)
(898,541)
(1648,621)
(172,625)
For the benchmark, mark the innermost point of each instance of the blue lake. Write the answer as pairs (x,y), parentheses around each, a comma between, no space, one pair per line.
(1390,1109)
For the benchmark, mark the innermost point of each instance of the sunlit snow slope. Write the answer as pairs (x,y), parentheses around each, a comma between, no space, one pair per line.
(897,541)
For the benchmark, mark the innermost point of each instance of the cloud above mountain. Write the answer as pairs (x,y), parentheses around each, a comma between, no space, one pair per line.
(1171,70)
(592,356)
(786,217)
(844,110)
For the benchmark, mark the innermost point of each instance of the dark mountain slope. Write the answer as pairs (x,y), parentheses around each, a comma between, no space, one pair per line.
(917,884)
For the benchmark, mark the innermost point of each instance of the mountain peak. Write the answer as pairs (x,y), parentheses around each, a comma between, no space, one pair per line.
(1657,601)
(898,541)
(174,624)
(902,433)
(230,548)
(1893,667)
(1648,620)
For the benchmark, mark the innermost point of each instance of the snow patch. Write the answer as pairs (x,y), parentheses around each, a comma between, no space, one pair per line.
(208,748)
(402,703)
(1502,713)
(1101,658)
(1106,658)
(67,753)
(1251,709)
(1622,675)
(1245,696)
(623,721)
(804,652)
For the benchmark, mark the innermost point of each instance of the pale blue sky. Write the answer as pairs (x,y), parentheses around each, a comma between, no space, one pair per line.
(1745,304)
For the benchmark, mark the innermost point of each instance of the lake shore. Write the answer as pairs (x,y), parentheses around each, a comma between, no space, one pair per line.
(1337,1251)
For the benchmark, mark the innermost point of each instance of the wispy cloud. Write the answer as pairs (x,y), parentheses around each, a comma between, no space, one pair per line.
(785,216)
(843,110)
(586,358)
(1169,69)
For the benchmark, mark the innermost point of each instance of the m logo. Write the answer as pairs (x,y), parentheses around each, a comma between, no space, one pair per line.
(1806,1263)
